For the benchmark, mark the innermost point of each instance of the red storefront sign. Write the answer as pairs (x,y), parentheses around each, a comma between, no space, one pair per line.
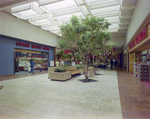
(36,47)
(32,46)
(22,44)
(132,44)
(45,48)
(67,52)
(141,36)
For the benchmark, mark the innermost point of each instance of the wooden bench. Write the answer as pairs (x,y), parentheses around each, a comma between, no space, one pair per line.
(74,70)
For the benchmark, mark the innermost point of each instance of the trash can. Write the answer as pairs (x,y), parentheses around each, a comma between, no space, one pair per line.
(91,72)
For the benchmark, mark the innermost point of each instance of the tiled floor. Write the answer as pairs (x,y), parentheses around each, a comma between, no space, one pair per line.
(36,97)
(116,95)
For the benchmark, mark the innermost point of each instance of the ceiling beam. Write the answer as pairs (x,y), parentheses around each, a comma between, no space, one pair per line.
(129,7)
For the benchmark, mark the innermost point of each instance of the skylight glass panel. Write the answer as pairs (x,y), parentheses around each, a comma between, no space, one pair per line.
(68,16)
(63,5)
(95,2)
(27,11)
(106,10)
(104,4)
(113,30)
(44,19)
(113,26)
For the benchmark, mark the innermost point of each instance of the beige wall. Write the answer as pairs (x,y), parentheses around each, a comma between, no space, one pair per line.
(116,41)
(141,11)
(13,27)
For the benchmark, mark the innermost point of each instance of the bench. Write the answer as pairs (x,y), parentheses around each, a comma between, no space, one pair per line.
(73,70)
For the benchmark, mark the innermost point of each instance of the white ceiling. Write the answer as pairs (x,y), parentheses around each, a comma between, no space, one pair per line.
(49,14)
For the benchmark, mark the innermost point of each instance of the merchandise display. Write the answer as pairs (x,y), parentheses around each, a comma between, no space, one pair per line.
(40,59)
(143,72)
(135,72)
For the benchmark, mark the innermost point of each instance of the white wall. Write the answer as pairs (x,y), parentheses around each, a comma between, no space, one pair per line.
(141,11)
(13,27)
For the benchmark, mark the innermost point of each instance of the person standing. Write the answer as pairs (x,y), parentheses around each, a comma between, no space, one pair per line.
(32,66)
(111,62)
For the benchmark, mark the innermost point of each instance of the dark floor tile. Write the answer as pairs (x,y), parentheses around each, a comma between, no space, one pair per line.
(134,96)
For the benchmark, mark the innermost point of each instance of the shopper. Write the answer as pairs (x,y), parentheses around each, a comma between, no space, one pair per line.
(32,66)
(111,62)
(116,63)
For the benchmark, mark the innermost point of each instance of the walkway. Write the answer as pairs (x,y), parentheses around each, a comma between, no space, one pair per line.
(36,97)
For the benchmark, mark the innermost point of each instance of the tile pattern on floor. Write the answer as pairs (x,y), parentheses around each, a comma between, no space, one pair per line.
(134,96)
(36,97)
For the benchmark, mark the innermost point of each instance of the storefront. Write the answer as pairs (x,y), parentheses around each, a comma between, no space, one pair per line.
(139,55)
(15,50)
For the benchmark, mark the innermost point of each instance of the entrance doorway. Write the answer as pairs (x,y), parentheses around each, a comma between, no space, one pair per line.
(22,60)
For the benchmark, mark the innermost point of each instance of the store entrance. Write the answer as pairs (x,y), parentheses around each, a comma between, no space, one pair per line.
(22,60)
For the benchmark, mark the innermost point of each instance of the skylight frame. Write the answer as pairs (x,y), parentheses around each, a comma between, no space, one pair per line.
(27,11)
(63,5)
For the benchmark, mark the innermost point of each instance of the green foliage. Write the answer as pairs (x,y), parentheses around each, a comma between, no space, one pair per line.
(67,65)
(79,66)
(84,36)
(64,55)
(59,70)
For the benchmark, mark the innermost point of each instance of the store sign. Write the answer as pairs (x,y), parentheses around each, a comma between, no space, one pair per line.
(45,48)
(132,44)
(141,36)
(36,47)
(32,46)
(22,44)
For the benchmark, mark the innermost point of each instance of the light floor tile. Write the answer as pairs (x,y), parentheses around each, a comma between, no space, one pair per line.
(95,106)
(70,117)
(98,112)
(77,108)
(58,116)
(68,112)
(90,116)
(79,114)
(37,96)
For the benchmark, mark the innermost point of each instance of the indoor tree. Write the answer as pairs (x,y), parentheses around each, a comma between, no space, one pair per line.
(81,34)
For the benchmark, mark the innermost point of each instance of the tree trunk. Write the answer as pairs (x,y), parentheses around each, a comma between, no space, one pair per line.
(93,60)
(85,69)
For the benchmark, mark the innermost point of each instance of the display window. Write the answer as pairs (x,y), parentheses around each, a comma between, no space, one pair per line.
(23,58)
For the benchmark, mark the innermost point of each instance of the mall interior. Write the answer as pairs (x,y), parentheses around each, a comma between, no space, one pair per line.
(29,30)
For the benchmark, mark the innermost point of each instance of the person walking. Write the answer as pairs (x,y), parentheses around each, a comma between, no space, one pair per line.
(32,66)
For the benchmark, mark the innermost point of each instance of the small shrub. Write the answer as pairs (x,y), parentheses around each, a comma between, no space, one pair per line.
(79,66)
(59,70)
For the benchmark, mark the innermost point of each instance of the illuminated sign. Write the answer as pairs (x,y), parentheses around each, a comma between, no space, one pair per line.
(22,44)
(141,36)
(32,46)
